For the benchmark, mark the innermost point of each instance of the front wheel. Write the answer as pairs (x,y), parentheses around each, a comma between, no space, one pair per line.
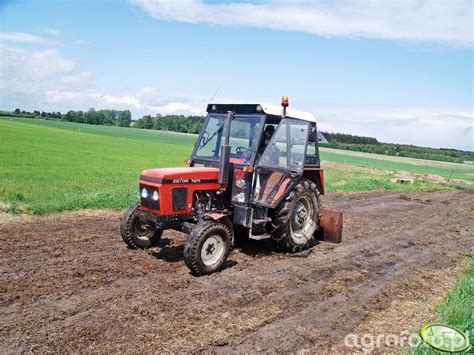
(296,218)
(207,248)
(135,233)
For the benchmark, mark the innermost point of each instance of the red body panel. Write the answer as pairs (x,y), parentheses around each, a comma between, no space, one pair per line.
(166,179)
(182,173)
(321,179)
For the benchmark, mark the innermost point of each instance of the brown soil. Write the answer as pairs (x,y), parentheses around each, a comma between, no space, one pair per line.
(69,284)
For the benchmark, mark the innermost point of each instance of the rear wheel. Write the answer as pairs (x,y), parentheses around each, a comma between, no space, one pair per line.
(135,233)
(207,247)
(296,219)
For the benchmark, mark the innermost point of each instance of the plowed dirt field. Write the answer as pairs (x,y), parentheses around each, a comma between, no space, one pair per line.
(68,283)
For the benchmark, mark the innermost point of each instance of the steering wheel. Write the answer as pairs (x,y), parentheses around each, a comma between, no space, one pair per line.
(241,150)
(204,138)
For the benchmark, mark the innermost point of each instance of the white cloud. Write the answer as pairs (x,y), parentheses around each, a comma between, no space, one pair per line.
(50,31)
(29,72)
(20,37)
(447,22)
(45,80)
(54,100)
(434,127)
(136,103)
(80,42)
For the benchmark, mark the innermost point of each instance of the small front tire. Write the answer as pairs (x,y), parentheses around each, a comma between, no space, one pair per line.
(135,233)
(207,248)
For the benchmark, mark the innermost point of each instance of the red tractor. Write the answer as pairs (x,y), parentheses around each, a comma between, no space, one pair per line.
(255,169)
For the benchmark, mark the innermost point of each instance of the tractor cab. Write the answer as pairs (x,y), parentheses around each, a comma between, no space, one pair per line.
(254,168)
(271,148)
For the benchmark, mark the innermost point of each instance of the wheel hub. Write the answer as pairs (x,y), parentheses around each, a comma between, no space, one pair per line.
(143,231)
(301,216)
(301,221)
(212,250)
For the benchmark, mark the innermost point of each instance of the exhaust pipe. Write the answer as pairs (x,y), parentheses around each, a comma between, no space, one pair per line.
(223,178)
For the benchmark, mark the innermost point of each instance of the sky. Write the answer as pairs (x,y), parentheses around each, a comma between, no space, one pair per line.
(400,71)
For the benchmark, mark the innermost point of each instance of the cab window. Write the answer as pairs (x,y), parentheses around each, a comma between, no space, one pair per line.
(287,146)
(244,134)
(312,156)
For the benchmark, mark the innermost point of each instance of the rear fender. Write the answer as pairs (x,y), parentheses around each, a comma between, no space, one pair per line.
(316,175)
(222,218)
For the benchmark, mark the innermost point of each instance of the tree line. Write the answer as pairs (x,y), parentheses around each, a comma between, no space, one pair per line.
(193,124)
(405,150)
(95,117)
(100,117)
(175,123)
(349,138)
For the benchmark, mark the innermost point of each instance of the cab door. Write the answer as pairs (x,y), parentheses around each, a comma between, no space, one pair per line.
(281,165)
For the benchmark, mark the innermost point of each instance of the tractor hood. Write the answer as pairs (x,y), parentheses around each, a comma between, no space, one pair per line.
(186,175)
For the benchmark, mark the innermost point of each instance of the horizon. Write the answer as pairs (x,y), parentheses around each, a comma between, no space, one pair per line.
(400,72)
(186,133)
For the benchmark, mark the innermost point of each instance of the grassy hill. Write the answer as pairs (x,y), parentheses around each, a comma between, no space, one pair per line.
(49,166)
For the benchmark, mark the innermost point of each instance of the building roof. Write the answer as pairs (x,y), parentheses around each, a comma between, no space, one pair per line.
(271,110)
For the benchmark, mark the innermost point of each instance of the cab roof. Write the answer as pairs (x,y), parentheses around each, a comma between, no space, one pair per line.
(271,110)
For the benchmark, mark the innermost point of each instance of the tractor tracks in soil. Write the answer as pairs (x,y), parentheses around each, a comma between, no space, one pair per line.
(68,282)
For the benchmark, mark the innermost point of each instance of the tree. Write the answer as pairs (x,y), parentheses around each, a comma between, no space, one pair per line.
(79,117)
(109,117)
(125,118)
(89,116)
(17,111)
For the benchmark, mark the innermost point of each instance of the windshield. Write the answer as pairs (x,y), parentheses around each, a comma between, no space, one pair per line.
(244,134)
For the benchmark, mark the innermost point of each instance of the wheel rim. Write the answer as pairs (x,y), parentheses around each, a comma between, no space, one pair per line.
(212,250)
(142,230)
(302,218)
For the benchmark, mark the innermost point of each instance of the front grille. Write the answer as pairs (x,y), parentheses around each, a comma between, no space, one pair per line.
(148,202)
(179,195)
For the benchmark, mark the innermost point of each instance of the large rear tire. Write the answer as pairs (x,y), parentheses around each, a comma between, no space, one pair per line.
(207,248)
(296,219)
(135,233)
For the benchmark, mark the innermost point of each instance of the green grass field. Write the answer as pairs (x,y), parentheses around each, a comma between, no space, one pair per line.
(48,166)
(390,163)
(456,310)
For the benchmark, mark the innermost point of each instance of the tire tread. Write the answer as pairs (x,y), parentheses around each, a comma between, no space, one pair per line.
(192,253)
(126,229)
(281,217)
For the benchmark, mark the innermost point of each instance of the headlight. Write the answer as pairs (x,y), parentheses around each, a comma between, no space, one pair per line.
(144,193)
(155,196)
